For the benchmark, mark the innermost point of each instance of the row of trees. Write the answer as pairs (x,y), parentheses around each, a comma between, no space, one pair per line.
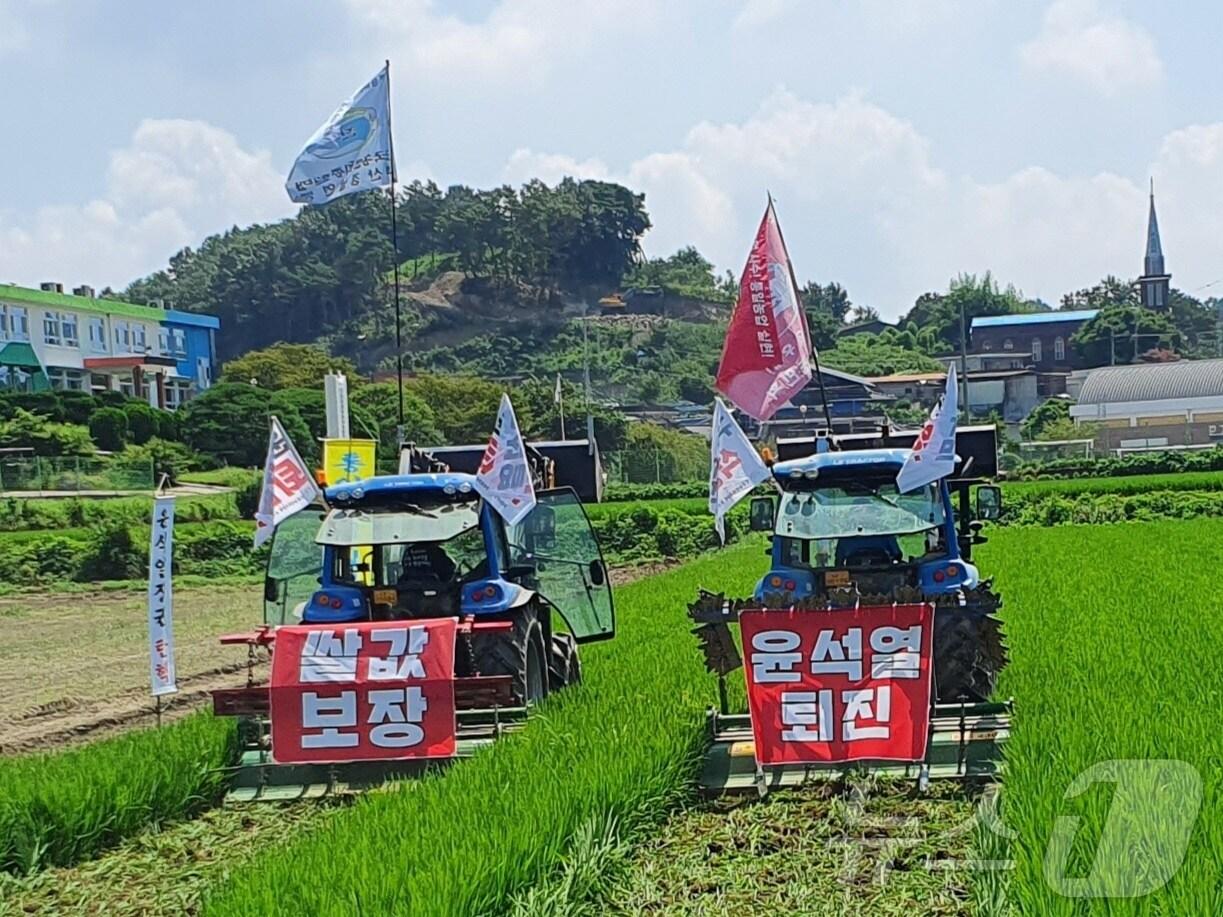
(304,278)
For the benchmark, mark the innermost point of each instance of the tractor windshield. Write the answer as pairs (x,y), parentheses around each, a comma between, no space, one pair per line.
(399,523)
(853,509)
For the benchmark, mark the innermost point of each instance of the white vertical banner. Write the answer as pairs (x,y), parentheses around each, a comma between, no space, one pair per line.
(161,598)
(335,395)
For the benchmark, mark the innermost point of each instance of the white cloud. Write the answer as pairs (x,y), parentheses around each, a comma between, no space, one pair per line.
(756,13)
(176,182)
(1108,53)
(863,203)
(519,40)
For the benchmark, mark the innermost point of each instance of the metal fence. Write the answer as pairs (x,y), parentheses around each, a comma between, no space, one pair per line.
(656,466)
(73,474)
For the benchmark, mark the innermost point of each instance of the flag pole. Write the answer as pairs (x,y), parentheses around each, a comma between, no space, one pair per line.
(395,243)
(560,401)
(815,356)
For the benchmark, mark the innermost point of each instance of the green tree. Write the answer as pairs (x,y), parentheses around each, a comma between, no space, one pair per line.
(230,421)
(1121,333)
(537,397)
(379,402)
(1045,414)
(464,407)
(142,421)
(287,366)
(24,429)
(972,296)
(1111,291)
(109,429)
(875,355)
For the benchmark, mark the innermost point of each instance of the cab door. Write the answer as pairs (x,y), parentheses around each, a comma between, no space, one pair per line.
(295,567)
(557,540)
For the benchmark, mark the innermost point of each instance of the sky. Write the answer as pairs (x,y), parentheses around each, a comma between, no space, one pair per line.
(904,141)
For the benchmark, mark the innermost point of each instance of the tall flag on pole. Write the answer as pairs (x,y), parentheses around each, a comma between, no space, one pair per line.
(933,454)
(735,467)
(287,485)
(351,152)
(766,359)
(504,479)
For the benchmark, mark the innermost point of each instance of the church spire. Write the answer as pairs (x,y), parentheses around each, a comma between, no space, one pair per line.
(1154,284)
(1153,265)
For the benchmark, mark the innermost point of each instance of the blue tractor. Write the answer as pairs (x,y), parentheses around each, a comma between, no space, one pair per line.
(840,523)
(841,535)
(424,544)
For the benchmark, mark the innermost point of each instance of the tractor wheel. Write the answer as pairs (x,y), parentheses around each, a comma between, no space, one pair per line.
(968,655)
(564,667)
(518,653)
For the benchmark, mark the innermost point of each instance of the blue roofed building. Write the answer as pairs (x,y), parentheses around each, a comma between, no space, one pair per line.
(50,339)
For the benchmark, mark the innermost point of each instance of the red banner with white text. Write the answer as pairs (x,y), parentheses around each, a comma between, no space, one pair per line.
(363,692)
(766,359)
(844,685)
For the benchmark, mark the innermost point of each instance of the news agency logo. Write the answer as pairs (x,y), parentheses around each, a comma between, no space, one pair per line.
(1146,833)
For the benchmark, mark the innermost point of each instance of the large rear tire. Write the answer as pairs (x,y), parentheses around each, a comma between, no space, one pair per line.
(564,666)
(518,653)
(969,654)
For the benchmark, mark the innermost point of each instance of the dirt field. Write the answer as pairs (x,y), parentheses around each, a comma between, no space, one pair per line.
(74,667)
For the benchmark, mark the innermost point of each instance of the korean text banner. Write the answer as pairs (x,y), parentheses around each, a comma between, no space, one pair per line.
(504,479)
(346,460)
(287,485)
(351,152)
(766,359)
(161,598)
(735,467)
(364,692)
(844,685)
(933,454)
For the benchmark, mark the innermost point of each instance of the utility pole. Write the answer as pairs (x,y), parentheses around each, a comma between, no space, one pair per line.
(963,361)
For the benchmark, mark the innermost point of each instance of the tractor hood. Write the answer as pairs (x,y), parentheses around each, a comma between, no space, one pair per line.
(408,487)
(810,467)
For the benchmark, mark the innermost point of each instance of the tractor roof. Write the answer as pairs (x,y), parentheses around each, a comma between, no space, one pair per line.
(401,485)
(889,459)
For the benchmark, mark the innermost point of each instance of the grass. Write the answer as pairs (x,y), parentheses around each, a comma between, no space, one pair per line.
(1113,633)
(57,809)
(164,870)
(222,477)
(57,514)
(617,747)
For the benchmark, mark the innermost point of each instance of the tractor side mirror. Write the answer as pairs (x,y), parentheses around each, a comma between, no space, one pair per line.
(989,502)
(762,513)
(271,589)
(597,575)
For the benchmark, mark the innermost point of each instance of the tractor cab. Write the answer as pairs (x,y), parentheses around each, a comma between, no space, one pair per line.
(841,521)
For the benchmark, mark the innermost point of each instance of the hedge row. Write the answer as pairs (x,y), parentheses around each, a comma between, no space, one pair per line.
(120,551)
(17,514)
(1134,463)
(1099,508)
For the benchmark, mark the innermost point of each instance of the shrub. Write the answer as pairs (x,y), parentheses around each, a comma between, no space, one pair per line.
(248,498)
(141,422)
(109,429)
(43,435)
(114,553)
(173,459)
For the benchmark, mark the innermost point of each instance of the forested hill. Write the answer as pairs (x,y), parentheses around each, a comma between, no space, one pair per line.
(326,272)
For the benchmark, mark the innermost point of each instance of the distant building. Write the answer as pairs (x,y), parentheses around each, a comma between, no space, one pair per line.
(1010,393)
(1154,405)
(52,340)
(1155,284)
(1045,336)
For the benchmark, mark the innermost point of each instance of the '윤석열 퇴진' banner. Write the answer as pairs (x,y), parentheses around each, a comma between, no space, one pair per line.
(161,598)
(363,692)
(842,685)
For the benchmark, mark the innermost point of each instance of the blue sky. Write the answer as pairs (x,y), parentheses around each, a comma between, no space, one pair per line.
(904,140)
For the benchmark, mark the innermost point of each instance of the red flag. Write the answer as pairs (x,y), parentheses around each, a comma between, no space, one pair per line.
(766,359)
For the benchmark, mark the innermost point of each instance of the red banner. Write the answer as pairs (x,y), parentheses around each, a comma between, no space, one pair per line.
(766,359)
(840,685)
(362,692)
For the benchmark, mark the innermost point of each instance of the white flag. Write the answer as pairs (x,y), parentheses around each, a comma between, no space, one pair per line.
(933,454)
(161,598)
(287,485)
(504,479)
(351,152)
(735,466)
(556,397)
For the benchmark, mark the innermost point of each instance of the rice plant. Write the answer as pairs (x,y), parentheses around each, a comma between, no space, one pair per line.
(59,808)
(1114,639)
